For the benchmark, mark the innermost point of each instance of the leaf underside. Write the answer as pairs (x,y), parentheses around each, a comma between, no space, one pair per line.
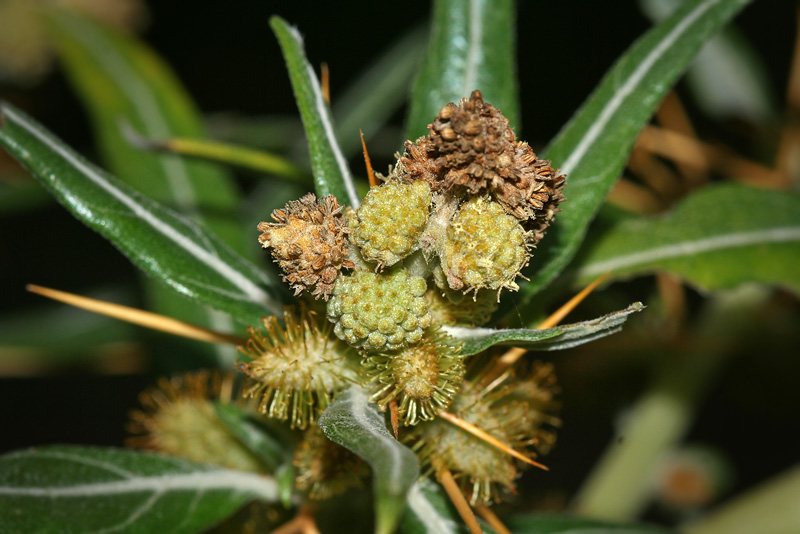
(354,423)
(559,338)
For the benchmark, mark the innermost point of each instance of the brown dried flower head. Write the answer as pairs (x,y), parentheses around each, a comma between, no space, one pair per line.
(309,242)
(472,147)
(534,191)
(417,164)
(473,144)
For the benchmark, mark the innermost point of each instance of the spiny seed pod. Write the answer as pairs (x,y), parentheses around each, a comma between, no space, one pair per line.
(295,370)
(485,248)
(423,377)
(452,308)
(309,242)
(503,409)
(178,418)
(325,469)
(389,223)
(379,311)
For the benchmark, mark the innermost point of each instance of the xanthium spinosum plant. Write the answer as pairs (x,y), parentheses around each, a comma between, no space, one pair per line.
(449,228)
(432,246)
(394,299)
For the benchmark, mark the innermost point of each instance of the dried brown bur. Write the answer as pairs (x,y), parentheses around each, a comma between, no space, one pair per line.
(471,146)
(309,242)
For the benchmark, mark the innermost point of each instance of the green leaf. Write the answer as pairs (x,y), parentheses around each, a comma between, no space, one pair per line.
(559,338)
(248,158)
(123,83)
(172,248)
(354,423)
(594,146)
(331,173)
(68,489)
(717,238)
(727,78)
(552,524)
(264,443)
(471,47)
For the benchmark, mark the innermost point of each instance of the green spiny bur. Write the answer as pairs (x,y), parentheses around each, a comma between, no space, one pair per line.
(379,311)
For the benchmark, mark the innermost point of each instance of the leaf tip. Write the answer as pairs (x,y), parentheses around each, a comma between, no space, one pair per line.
(277,23)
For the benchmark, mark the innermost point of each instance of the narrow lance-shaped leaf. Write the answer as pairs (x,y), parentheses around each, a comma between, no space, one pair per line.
(559,338)
(67,489)
(717,238)
(164,244)
(354,423)
(124,83)
(471,47)
(727,78)
(331,173)
(593,147)
(261,161)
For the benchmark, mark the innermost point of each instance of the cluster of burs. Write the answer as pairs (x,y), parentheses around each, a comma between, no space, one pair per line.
(451,225)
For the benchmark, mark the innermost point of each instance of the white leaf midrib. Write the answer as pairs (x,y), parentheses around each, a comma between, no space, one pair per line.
(263,487)
(630,85)
(474,47)
(250,290)
(691,248)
